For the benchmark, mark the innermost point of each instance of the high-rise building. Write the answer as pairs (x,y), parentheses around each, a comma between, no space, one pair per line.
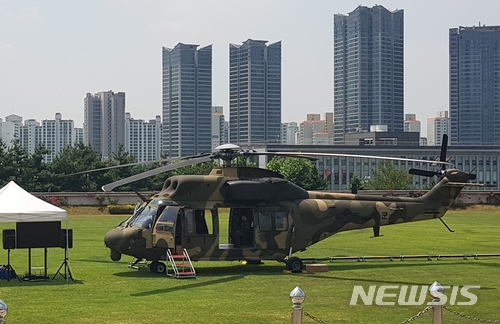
(436,127)
(9,130)
(315,131)
(219,132)
(187,100)
(368,70)
(18,120)
(475,85)
(289,133)
(57,134)
(78,135)
(255,92)
(411,124)
(104,122)
(143,139)
(30,135)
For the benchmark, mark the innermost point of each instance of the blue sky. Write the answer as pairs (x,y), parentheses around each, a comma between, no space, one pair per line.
(53,52)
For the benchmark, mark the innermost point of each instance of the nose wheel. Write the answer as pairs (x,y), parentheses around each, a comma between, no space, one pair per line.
(157,267)
(115,255)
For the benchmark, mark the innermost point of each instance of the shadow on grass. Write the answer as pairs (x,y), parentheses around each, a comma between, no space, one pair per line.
(277,268)
(55,282)
(188,286)
(93,260)
(215,271)
(388,264)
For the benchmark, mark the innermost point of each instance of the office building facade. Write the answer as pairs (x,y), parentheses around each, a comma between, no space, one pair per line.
(255,92)
(340,170)
(187,100)
(368,70)
(475,85)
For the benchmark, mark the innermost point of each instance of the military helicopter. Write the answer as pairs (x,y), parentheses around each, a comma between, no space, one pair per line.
(270,218)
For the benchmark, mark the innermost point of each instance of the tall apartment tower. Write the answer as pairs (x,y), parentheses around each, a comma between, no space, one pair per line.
(436,127)
(219,133)
(30,135)
(475,85)
(411,124)
(187,100)
(143,139)
(315,131)
(255,92)
(368,70)
(10,129)
(57,134)
(104,122)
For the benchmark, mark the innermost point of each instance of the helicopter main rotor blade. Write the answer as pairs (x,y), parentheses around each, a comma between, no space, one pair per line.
(360,156)
(299,155)
(134,164)
(117,167)
(150,173)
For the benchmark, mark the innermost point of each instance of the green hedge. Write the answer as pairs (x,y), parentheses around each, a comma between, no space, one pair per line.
(121,209)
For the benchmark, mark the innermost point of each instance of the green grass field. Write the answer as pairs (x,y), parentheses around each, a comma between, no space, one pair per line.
(229,292)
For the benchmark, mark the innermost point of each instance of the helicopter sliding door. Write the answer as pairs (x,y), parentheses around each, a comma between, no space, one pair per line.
(273,226)
(201,229)
(241,227)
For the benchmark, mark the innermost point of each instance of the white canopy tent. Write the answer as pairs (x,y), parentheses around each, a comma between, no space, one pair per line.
(18,205)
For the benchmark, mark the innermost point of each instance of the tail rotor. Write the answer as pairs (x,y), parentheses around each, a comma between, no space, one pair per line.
(442,158)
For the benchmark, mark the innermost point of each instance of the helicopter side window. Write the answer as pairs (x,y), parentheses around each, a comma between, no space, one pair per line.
(281,220)
(189,221)
(265,222)
(201,222)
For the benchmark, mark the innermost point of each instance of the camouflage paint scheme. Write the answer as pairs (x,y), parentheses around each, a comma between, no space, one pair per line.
(311,215)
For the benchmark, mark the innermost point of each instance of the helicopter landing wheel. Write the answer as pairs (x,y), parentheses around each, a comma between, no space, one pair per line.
(157,267)
(294,264)
(115,255)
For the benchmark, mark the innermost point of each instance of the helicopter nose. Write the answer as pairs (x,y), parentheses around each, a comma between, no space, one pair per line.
(113,238)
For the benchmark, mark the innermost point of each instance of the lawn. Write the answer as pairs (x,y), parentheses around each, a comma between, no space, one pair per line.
(229,292)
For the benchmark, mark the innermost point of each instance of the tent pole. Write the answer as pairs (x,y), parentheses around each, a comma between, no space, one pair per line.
(66,253)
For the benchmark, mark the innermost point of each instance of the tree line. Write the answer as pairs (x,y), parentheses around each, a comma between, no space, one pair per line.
(34,175)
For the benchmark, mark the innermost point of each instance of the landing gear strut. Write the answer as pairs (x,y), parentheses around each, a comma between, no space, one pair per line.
(294,264)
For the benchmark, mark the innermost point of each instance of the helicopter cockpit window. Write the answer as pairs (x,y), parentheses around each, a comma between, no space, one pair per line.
(281,220)
(265,222)
(167,219)
(144,217)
